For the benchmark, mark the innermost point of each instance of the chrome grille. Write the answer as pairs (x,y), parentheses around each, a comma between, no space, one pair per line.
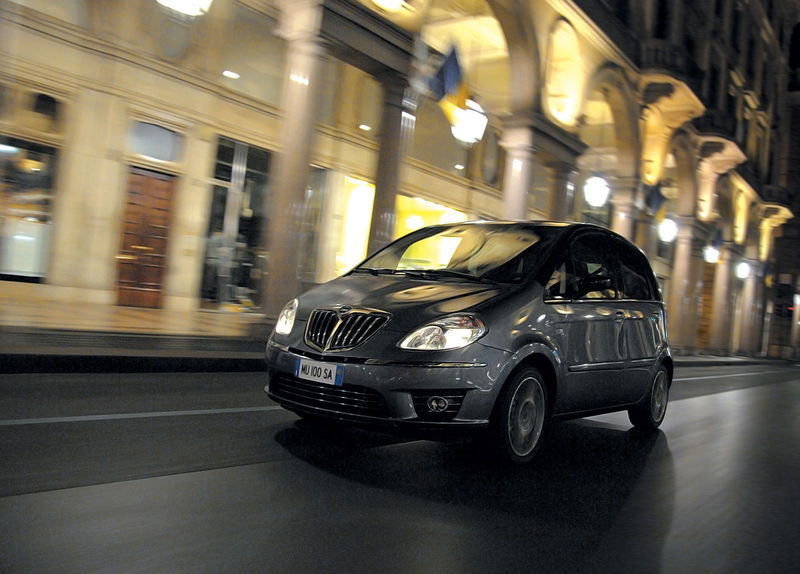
(334,330)
(344,399)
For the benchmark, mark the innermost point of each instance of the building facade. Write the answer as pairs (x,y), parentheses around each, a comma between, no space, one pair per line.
(231,158)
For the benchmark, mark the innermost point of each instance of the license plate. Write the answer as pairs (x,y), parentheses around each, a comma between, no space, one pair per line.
(319,372)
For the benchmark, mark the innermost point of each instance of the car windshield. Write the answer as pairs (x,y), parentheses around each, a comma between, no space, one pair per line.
(481,252)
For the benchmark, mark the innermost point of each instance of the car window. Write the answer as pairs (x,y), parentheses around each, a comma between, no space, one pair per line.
(588,270)
(635,271)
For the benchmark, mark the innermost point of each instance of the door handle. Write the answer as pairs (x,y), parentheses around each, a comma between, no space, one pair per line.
(141,247)
(125,257)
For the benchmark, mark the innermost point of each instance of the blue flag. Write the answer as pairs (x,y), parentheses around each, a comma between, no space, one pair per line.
(654,199)
(448,79)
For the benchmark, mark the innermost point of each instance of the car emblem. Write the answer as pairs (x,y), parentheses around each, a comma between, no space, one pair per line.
(345,310)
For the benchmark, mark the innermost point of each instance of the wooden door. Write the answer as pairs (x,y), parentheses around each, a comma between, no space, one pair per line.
(143,247)
(706,302)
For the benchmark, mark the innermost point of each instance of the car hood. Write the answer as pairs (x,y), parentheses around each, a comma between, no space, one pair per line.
(411,302)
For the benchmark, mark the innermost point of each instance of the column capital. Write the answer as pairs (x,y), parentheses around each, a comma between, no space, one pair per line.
(300,21)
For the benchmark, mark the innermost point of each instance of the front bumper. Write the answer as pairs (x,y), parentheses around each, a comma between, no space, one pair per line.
(401,395)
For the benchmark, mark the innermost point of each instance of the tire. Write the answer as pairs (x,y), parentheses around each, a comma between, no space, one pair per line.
(520,416)
(650,412)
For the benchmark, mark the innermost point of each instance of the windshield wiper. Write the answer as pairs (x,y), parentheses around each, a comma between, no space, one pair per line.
(434,274)
(376,270)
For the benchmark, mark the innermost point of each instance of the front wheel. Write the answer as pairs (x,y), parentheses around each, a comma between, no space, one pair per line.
(650,412)
(520,416)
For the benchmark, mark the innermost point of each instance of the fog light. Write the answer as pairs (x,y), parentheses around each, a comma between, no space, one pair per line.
(438,404)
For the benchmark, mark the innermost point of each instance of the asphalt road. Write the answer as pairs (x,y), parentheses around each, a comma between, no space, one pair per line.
(196,472)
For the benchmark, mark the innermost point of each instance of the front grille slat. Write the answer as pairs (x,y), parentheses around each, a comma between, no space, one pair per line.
(348,399)
(330,330)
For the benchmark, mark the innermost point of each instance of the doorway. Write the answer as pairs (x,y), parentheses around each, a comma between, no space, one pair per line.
(143,247)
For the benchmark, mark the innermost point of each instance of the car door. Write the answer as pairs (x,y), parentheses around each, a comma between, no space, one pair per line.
(645,326)
(582,296)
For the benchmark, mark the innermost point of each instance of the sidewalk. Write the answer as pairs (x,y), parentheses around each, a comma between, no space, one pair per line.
(38,334)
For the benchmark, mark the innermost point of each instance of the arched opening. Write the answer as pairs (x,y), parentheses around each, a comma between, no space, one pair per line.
(564,85)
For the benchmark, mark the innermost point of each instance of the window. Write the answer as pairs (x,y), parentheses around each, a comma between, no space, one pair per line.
(587,273)
(634,268)
(236,221)
(155,142)
(27,172)
(41,113)
(663,22)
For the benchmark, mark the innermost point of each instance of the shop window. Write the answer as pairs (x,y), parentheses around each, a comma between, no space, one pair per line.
(235,257)
(155,142)
(415,212)
(27,172)
(310,234)
(357,198)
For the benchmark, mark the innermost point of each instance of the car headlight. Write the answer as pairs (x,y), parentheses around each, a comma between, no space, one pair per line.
(447,333)
(286,318)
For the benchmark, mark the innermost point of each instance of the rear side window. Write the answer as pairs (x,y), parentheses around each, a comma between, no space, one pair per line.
(587,270)
(635,271)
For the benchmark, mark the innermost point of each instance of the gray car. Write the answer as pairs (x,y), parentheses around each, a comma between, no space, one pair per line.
(496,327)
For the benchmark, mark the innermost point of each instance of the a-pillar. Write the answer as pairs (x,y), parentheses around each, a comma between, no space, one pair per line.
(682,326)
(562,188)
(722,310)
(302,87)
(623,198)
(517,141)
(390,158)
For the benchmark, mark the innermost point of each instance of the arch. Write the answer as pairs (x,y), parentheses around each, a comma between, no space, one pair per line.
(516,21)
(562,88)
(620,96)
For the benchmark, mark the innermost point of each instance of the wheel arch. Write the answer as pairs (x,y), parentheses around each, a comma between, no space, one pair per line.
(670,366)
(545,366)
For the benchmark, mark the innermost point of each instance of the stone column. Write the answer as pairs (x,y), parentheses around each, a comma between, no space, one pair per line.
(681,293)
(645,238)
(518,143)
(390,158)
(300,25)
(623,198)
(561,190)
(721,302)
(750,325)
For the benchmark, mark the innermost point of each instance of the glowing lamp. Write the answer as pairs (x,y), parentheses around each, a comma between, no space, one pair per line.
(596,191)
(667,231)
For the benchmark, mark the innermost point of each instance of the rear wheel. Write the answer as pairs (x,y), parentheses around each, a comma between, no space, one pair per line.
(520,417)
(650,412)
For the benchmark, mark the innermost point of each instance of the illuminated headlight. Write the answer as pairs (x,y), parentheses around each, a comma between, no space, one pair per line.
(444,334)
(286,318)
